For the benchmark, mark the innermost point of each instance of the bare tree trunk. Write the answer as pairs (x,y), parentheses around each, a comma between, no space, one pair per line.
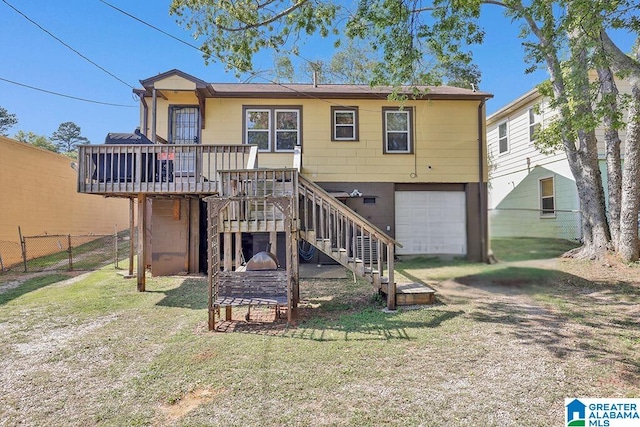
(628,245)
(609,93)
(583,157)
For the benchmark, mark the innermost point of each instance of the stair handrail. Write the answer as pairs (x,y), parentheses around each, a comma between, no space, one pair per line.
(347,212)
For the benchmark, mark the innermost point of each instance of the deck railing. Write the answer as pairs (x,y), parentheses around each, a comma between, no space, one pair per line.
(252,192)
(159,168)
(347,237)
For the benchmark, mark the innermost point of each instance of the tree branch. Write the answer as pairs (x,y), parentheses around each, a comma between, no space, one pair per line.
(274,18)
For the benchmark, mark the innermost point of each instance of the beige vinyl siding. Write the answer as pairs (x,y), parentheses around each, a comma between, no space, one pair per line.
(444,136)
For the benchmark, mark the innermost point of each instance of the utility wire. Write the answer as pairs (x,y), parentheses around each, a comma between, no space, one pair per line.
(66,45)
(253,74)
(150,25)
(66,96)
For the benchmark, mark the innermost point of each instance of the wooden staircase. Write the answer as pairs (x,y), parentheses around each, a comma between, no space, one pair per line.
(347,238)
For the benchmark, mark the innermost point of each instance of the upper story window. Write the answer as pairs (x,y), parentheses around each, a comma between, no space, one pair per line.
(547,197)
(184,124)
(344,123)
(273,128)
(503,138)
(397,126)
(534,123)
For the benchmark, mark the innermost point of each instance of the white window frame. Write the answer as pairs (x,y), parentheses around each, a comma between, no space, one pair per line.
(505,137)
(541,197)
(272,131)
(276,130)
(535,122)
(247,111)
(334,123)
(409,131)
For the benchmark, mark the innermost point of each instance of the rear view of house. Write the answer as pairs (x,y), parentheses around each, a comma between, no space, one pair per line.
(414,171)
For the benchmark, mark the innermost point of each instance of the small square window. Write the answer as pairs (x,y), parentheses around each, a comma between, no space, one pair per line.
(344,124)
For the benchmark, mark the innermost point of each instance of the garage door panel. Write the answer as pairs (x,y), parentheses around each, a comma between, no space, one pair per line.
(431,222)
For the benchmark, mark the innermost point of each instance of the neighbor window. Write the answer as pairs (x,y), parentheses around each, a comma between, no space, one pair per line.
(344,124)
(397,130)
(534,124)
(503,140)
(547,197)
(272,128)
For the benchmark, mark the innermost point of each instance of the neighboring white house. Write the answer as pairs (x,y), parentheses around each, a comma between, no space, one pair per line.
(532,194)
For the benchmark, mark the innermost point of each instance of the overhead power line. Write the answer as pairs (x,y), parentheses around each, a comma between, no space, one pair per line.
(66,45)
(151,26)
(67,96)
(222,60)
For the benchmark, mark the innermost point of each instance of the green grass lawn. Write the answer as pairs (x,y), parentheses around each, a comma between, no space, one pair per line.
(502,340)
(527,248)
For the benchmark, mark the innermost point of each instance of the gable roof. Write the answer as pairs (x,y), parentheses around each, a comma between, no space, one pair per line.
(296,90)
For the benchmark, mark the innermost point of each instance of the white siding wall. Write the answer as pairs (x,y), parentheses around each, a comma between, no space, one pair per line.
(511,167)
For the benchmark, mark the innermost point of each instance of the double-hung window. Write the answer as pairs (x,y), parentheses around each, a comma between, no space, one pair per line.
(547,198)
(534,123)
(344,123)
(273,128)
(503,139)
(397,130)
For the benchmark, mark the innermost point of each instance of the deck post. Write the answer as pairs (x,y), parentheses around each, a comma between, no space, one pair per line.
(132,231)
(142,234)
(391,287)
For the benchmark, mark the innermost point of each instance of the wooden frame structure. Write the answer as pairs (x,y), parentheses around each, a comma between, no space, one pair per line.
(229,285)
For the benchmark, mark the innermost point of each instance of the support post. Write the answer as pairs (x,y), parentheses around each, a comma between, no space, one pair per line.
(142,234)
(132,231)
(391,287)
(239,255)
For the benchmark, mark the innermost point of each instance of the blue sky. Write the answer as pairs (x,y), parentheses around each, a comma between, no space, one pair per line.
(132,51)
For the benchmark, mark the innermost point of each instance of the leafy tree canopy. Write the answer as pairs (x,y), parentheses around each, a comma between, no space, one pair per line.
(68,137)
(7,120)
(400,34)
(36,140)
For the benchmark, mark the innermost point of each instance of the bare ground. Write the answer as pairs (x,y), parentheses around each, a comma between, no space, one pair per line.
(494,351)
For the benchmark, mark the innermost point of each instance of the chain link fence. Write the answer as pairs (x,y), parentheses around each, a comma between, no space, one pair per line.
(562,224)
(55,252)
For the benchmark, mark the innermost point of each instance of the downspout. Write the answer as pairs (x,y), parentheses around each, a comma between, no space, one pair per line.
(154,107)
(481,211)
(145,116)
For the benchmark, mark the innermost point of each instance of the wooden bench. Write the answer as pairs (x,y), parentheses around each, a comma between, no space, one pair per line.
(252,288)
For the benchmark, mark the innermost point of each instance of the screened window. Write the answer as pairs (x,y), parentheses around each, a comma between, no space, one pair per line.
(547,197)
(397,131)
(273,129)
(344,124)
(503,140)
(534,124)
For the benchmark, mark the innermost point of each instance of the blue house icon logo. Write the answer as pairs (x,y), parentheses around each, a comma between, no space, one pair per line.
(576,414)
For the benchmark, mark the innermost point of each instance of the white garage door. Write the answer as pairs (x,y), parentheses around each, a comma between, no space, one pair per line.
(431,222)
